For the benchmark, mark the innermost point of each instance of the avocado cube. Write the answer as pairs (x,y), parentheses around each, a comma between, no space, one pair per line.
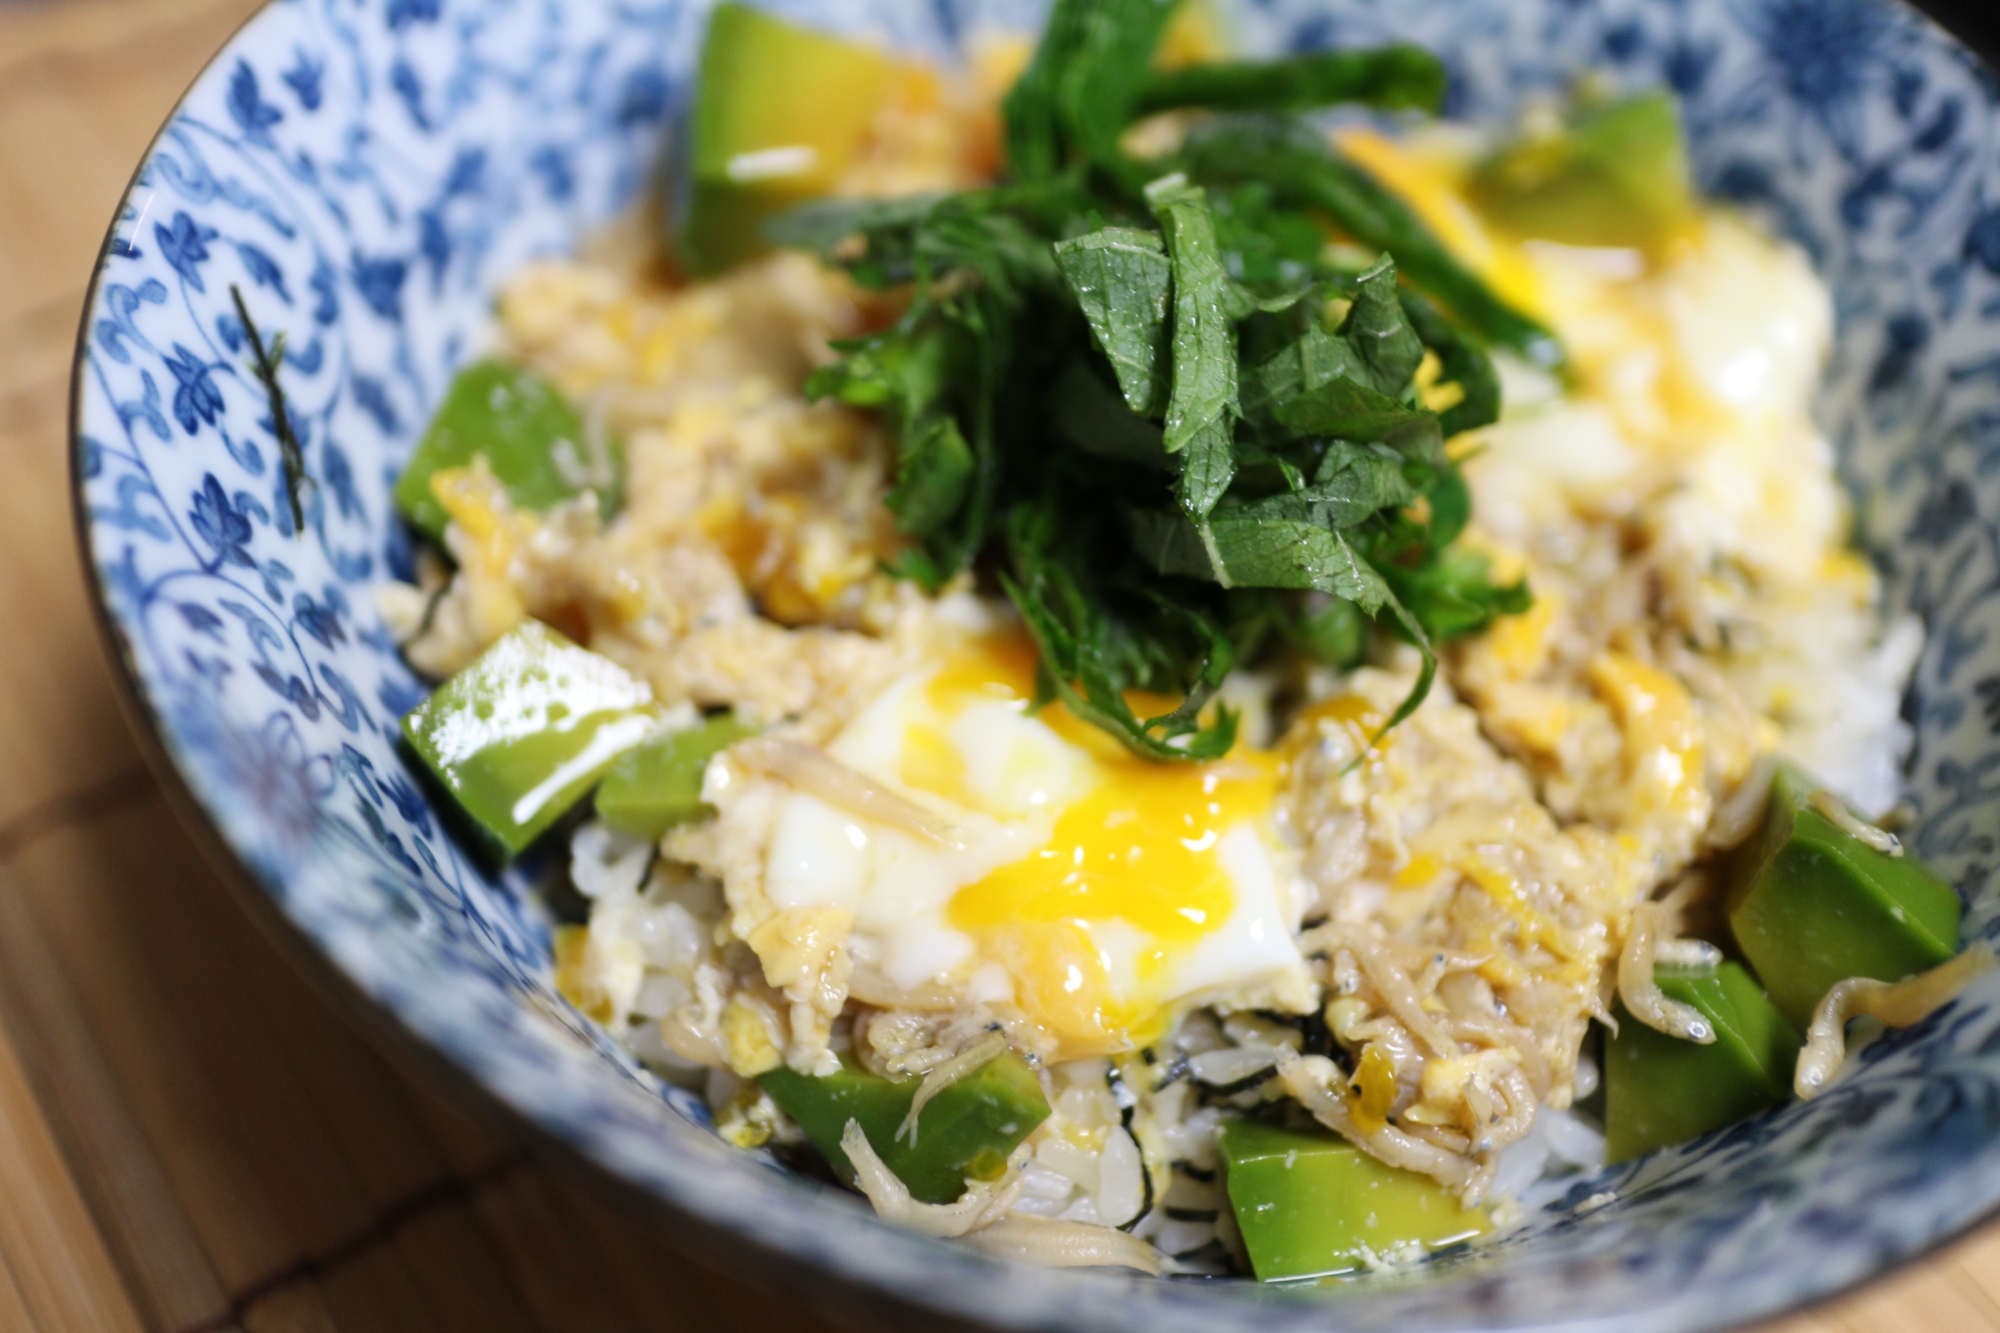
(1660,1090)
(1310,1204)
(1615,175)
(657,783)
(523,425)
(779,114)
(965,1132)
(1811,905)
(523,733)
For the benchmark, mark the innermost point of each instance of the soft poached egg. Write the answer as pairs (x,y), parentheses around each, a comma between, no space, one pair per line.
(1100,893)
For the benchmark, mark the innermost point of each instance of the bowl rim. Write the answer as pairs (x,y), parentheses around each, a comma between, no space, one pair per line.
(1957,17)
(724,1243)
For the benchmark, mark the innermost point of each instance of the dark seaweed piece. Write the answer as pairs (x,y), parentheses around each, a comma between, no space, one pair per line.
(1177,1070)
(264,363)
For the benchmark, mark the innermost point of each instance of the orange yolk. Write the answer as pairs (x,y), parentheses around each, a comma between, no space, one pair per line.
(1137,847)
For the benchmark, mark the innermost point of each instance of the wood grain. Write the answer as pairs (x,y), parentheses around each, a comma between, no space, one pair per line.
(190,1137)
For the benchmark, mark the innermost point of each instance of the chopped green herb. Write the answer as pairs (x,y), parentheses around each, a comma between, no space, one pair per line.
(1461,361)
(1203,407)
(1394,78)
(1303,170)
(1126,383)
(1121,277)
(1084,87)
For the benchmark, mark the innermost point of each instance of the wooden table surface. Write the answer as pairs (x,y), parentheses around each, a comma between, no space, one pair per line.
(190,1138)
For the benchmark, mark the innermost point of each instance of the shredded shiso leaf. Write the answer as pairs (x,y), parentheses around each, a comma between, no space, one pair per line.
(1149,396)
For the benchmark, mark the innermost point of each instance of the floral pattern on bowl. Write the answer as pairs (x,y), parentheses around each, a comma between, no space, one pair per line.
(365,174)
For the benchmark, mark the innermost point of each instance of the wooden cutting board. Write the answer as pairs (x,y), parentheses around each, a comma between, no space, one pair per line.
(190,1139)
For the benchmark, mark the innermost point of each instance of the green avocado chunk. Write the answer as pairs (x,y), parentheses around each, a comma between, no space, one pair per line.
(1811,905)
(778,116)
(1310,1204)
(965,1132)
(520,735)
(523,426)
(1616,175)
(1660,1090)
(657,783)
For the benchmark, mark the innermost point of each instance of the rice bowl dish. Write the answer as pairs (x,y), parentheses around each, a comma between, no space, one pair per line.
(335,259)
(1393,906)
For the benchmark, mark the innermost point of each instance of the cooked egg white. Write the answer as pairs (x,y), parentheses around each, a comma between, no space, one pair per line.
(1686,415)
(1099,893)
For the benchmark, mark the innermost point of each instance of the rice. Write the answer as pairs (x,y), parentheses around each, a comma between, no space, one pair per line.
(1467,885)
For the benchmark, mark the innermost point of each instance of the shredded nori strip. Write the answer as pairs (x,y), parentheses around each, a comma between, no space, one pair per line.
(1145,1174)
(1214,1249)
(1179,1069)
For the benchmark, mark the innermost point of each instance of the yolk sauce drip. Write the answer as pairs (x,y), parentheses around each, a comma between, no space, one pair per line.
(1137,847)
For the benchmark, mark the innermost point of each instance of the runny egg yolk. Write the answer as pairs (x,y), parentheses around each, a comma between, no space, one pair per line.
(1140,848)
(1110,891)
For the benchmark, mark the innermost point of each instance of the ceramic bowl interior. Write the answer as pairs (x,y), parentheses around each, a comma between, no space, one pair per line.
(366,172)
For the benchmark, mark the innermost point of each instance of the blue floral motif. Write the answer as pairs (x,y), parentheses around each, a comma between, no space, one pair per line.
(145,409)
(380,282)
(202,620)
(643,99)
(552,166)
(128,514)
(307,359)
(1826,51)
(304,77)
(372,397)
(322,622)
(120,303)
(262,269)
(338,478)
(338,142)
(1982,240)
(403,78)
(185,244)
(221,524)
(345,702)
(196,399)
(247,106)
(467,174)
(404,13)
(325,286)
(434,245)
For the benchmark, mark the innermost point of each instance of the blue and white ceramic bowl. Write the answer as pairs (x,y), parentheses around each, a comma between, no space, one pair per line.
(367,171)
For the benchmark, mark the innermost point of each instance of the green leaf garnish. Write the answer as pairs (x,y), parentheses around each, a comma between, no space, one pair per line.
(1303,170)
(1393,78)
(1120,276)
(1203,407)
(1178,428)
